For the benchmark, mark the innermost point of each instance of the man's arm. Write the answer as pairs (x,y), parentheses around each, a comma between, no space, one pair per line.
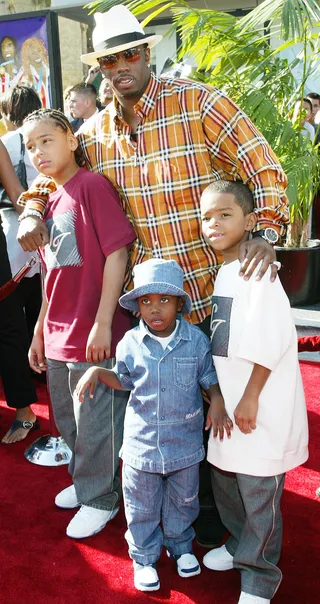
(33,232)
(238,149)
(239,152)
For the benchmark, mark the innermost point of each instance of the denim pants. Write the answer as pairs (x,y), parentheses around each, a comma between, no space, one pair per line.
(93,430)
(249,507)
(151,499)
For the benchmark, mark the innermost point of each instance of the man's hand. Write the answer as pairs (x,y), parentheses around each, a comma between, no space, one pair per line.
(32,234)
(37,360)
(92,74)
(99,343)
(218,418)
(245,414)
(88,382)
(251,252)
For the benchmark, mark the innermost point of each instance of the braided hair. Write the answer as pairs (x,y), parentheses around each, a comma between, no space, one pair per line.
(60,121)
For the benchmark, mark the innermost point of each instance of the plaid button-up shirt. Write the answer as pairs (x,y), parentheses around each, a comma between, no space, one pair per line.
(188,135)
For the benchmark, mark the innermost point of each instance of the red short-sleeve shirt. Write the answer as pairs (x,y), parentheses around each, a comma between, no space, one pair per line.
(86,224)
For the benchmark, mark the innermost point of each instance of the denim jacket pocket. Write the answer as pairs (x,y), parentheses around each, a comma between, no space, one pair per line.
(185,372)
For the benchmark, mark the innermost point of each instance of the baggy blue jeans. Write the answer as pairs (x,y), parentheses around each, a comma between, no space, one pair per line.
(151,499)
(93,431)
(249,507)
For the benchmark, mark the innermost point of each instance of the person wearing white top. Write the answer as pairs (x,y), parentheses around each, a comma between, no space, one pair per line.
(15,105)
(82,104)
(254,348)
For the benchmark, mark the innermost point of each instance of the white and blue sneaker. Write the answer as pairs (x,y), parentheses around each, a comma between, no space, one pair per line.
(187,564)
(145,577)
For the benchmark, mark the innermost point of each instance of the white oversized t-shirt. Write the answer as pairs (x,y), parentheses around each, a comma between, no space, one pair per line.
(252,323)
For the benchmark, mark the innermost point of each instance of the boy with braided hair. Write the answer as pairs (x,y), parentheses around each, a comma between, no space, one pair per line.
(80,321)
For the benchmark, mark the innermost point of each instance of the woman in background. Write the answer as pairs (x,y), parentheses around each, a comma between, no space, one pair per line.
(18,388)
(15,106)
(36,72)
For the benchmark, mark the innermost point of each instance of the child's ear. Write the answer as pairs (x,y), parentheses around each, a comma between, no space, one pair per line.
(251,220)
(180,304)
(73,141)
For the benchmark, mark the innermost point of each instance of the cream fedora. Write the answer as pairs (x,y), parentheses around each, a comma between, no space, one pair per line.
(116,30)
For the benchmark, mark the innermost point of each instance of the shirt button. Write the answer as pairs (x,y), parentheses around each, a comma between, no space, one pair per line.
(162,419)
(162,389)
(162,444)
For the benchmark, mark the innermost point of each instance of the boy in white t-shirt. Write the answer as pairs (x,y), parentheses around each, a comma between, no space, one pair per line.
(254,347)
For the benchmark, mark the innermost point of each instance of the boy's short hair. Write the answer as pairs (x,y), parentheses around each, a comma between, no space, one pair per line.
(313,95)
(85,89)
(238,189)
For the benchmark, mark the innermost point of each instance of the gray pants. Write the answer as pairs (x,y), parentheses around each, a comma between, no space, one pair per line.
(93,430)
(249,507)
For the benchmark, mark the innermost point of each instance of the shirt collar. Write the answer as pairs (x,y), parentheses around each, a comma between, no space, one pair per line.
(149,97)
(182,332)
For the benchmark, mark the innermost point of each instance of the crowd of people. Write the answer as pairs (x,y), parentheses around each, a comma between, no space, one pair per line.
(164,330)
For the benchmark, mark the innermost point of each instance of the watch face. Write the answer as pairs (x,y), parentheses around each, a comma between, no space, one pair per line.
(271,235)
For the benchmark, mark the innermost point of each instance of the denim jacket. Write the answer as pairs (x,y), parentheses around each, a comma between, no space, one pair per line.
(164,417)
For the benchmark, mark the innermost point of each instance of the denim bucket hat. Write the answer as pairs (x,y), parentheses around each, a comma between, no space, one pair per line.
(156,276)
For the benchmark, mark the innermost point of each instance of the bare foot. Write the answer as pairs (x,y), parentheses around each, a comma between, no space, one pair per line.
(15,434)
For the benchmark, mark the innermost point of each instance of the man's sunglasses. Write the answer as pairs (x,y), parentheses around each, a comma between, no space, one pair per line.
(131,55)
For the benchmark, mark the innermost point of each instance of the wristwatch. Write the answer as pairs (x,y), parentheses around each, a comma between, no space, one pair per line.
(269,234)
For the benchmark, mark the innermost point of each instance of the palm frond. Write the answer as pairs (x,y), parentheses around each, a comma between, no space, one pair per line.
(293,15)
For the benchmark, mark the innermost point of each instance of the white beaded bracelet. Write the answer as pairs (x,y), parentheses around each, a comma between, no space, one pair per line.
(30,213)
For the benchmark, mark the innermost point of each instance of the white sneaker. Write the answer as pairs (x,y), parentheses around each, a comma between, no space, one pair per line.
(250,599)
(218,559)
(187,565)
(145,577)
(67,498)
(89,521)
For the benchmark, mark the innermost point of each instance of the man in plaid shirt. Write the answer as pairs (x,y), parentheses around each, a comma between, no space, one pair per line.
(161,142)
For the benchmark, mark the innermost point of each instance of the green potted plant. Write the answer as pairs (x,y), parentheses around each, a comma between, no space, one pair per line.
(236,55)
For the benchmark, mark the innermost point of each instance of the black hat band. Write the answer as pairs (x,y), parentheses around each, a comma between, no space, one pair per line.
(119,40)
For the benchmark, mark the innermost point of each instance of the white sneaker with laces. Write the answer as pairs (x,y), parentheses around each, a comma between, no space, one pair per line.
(188,565)
(67,498)
(250,599)
(89,521)
(145,577)
(218,559)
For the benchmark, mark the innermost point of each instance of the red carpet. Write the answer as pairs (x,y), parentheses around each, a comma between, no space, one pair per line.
(40,565)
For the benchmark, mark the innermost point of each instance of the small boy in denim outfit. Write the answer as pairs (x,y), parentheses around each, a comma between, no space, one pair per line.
(163,362)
